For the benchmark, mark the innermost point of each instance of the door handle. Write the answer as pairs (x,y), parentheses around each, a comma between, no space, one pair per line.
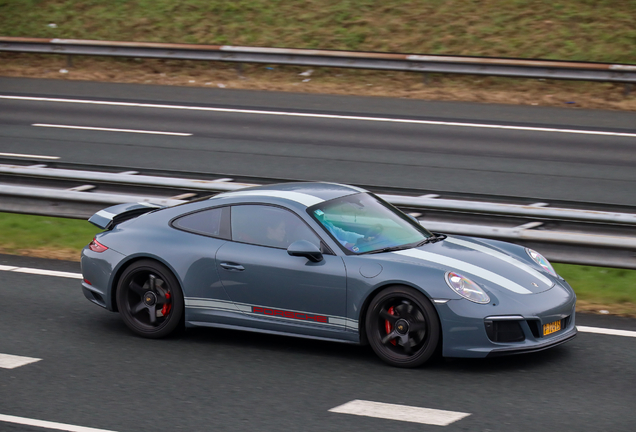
(232,267)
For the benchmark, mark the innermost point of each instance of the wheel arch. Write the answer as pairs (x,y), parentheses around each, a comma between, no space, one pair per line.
(367,301)
(127,263)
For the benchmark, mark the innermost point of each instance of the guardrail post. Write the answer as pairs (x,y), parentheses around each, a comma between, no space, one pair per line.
(627,89)
(239,70)
(69,61)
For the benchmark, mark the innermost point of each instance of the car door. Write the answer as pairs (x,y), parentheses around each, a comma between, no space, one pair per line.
(204,232)
(282,292)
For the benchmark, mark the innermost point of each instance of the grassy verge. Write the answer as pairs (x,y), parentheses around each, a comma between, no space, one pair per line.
(580,30)
(597,288)
(585,30)
(45,237)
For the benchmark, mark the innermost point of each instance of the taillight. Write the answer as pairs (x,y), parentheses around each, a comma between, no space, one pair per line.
(96,246)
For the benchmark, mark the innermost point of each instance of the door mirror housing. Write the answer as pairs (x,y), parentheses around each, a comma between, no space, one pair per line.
(303,248)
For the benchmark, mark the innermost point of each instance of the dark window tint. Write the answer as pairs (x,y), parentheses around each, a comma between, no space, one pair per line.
(269,226)
(207,222)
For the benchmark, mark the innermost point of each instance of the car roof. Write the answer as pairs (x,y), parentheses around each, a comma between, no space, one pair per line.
(305,193)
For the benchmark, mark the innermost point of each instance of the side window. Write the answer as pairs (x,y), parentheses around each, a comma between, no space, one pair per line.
(206,222)
(269,226)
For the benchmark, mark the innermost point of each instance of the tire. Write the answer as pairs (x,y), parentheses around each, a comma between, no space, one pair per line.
(403,327)
(149,299)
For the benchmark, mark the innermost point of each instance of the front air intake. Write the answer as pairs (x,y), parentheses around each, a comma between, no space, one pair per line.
(504,331)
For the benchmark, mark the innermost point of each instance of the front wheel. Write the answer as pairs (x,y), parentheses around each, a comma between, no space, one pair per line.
(402,327)
(149,299)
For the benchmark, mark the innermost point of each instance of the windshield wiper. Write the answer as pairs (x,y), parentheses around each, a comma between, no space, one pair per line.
(433,239)
(388,249)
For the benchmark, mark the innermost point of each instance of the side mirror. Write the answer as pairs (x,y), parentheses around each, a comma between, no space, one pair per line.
(303,248)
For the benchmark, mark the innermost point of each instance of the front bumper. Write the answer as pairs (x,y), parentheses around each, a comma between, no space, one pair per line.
(540,346)
(464,323)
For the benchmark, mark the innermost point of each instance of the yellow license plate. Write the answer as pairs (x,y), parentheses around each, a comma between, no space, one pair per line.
(551,328)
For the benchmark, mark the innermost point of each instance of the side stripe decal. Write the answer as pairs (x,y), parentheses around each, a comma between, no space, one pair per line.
(260,311)
(465,267)
(510,260)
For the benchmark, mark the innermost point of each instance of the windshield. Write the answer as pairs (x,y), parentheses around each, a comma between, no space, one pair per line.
(363,223)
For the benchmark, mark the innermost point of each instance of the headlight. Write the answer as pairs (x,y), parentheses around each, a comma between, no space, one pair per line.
(466,288)
(540,259)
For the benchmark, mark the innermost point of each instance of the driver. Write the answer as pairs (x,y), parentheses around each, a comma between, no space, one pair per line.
(347,238)
(276,234)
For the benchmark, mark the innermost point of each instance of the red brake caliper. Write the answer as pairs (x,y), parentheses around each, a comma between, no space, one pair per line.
(388,326)
(165,310)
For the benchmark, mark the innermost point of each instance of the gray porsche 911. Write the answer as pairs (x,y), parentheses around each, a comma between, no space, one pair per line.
(324,261)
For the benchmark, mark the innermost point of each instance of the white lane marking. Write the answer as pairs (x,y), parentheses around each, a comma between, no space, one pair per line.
(326,116)
(48,424)
(305,199)
(598,330)
(111,129)
(507,258)
(29,156)
(8,361)
(462,266)
(41,272)
(79,276)
(400,412)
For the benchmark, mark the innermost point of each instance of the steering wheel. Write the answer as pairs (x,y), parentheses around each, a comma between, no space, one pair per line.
(371,233)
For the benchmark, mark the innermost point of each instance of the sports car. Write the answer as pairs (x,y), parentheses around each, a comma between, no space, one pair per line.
(324,261)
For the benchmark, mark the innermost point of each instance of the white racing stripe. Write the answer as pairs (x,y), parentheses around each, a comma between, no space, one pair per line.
(110,129)
(462,266)
(48,424)
(8,361)
(400,412)
(324,116)
(305,199)
(507,258)
(29,156)
(604,331)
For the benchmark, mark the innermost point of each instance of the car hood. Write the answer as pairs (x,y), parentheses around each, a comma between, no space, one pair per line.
(479,261)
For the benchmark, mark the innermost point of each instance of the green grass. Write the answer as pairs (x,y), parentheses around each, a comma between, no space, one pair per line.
(600,285)
(586,30)
(28,234)
(64,238)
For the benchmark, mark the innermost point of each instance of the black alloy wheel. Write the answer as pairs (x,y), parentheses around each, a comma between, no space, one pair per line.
(149,299)
(403,327)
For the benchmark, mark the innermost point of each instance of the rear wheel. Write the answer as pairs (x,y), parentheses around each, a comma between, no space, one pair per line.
(149,299)
(402,327)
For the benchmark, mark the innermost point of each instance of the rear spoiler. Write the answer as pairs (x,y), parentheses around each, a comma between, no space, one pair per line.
(111,216)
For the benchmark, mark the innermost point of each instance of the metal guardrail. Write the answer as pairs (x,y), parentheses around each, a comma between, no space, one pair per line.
(518,68)
(589,247)
(422,202)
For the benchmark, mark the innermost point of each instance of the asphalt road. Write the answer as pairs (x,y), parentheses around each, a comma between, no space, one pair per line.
(95,373)
(549,154)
